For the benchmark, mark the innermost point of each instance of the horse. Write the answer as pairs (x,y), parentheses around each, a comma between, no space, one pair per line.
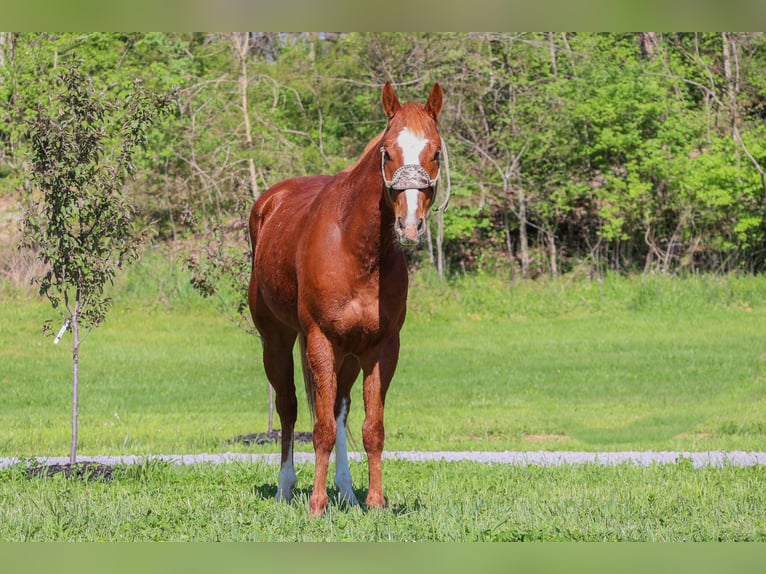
(329,270)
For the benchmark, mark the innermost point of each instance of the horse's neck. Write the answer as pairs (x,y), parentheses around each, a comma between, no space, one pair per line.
(369,215)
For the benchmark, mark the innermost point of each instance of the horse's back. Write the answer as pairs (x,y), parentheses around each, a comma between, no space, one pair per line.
(285,202)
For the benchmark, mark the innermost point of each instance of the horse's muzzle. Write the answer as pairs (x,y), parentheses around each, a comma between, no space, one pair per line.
(410,233)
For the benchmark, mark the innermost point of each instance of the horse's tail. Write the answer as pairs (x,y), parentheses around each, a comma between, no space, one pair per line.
(258,214)
(308,380)
(254,225)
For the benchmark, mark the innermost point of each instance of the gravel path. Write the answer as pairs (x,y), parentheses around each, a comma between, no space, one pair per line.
(541,458)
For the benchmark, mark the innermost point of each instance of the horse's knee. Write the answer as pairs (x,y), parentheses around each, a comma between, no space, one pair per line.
(373,435)
(324,435)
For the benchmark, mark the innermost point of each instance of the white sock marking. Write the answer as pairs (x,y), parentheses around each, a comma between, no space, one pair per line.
(342,472)
(287,479)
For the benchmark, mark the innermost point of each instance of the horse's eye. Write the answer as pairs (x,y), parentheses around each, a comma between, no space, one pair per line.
(438,155)
(386,157)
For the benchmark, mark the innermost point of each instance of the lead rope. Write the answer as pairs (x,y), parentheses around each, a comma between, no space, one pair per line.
(444,205)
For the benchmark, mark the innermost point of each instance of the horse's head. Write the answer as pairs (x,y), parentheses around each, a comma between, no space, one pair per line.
(410,161)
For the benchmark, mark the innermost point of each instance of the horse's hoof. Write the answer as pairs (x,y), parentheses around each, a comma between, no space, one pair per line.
(348,498)
(345,490)
(284,496)
(375,500)
(317,505)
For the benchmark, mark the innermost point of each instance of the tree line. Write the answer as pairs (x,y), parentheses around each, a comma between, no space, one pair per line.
(586,152)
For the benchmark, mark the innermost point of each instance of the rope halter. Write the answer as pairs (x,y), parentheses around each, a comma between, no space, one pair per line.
(408,176)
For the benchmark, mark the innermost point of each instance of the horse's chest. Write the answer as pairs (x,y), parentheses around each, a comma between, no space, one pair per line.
(355,323)
(355,306)
(358,317)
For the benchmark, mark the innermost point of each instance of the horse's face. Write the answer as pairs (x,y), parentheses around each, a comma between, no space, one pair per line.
(410,161)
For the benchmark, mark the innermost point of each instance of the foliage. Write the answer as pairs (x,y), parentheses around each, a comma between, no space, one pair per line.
(626,152)
(221,271)
(81,226)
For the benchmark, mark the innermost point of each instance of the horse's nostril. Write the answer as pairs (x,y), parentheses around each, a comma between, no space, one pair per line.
(399,223)
(421,224)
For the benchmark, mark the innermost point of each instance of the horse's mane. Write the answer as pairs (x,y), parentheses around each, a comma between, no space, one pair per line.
(375,142)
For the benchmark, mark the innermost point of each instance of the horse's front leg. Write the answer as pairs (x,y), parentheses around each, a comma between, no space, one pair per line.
(378,371)
(320,361)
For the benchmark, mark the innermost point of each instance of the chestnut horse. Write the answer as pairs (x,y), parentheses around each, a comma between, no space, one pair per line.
(329,270)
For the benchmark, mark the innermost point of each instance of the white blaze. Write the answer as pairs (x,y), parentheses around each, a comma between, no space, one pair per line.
(411,195)
(411,145)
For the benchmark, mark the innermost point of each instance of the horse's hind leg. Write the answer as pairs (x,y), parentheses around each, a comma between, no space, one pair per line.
(278,344)
(346,377)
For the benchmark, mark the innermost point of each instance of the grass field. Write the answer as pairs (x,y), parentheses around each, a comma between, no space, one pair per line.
(647,363)
(445,502)
(627,364)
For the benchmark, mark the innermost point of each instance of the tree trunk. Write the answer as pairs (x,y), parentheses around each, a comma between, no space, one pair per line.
(271,409)
(648,43)
(6,49)
(523,240)
(430,245)
(75,378)
(509,246)
(731,81)
(440,242)
(551,237)
(552,50)
(241,43)
(731,59)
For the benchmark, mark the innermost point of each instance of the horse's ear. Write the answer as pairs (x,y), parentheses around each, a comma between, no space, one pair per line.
(434,104)
(391,103)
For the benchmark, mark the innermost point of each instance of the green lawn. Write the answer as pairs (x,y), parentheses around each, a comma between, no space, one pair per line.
(447,502)
(626,364)
(623,364)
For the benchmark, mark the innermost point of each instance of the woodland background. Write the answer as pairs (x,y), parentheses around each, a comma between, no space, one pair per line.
(568,152)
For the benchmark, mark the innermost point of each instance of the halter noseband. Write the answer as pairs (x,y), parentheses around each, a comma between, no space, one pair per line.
(408,176)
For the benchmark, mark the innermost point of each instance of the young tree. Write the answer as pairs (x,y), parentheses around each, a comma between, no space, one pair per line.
(78,219)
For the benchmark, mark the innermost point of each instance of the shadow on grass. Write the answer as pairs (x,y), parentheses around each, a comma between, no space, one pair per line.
(273,436)
(269,491)
(85,471)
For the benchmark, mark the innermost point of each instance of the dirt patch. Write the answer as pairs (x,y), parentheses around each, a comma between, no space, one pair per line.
(270,437)
(88,471)
(546,437)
